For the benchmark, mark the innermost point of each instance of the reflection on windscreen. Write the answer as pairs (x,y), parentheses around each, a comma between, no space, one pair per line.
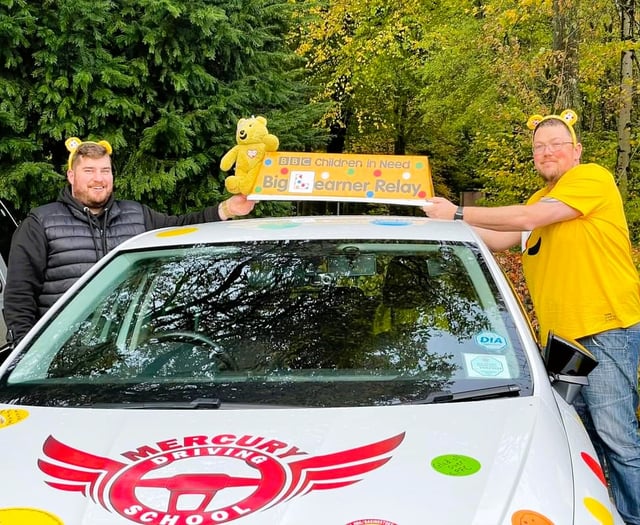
(297,323)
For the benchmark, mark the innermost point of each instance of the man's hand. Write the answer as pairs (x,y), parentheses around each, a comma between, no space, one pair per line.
(235,206)
(439,208)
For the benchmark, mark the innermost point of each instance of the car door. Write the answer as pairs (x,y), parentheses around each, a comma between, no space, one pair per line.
(8,225)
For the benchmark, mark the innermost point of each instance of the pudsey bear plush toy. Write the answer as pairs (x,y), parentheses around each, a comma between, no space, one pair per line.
(253,140)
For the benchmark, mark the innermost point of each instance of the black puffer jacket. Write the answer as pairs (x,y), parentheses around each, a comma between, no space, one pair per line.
(58,242)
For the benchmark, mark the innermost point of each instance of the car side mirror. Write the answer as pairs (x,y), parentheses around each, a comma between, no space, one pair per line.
(568,364)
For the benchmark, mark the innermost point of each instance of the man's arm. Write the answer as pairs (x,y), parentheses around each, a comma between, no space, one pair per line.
(516,218)
(25,278)
(234,206)
(499,241)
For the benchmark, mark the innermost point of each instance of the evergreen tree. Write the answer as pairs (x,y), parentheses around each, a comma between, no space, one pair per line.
(164,81)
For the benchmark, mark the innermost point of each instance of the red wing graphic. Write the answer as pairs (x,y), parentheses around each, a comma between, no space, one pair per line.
(77,471)
(340,468)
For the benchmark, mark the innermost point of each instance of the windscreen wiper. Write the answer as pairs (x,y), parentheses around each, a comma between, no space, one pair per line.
(200,403)
(510,390)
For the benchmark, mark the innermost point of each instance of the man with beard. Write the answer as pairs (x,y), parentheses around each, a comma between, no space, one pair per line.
(58,242)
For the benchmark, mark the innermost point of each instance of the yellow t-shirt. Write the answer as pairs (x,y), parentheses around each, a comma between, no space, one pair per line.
(580,272)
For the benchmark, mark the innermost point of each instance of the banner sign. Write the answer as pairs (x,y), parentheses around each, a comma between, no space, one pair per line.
(392,179)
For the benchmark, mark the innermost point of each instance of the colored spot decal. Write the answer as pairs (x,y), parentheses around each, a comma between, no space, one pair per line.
(11,417)
(529,517)
(369,194)
(383,222)
(598,511)
(595,467)
(419,165)
(257,189)
(455,465)
(278,226)
(406,175)
(176,232)
(268,162)
(377,173)
(371,521)
(422,194)
(284,171)
(28,516)
(351,171)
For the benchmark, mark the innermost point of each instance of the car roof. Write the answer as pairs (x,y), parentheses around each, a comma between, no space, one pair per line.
(290,228)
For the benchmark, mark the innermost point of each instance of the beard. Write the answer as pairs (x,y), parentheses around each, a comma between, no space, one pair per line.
(93,200)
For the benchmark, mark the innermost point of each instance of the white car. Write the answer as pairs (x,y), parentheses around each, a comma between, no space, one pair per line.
(315,370)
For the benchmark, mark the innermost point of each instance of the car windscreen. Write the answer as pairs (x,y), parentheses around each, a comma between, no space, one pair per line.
(287,323)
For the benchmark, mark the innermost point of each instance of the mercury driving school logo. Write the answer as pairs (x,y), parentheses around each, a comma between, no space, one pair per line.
(203,480)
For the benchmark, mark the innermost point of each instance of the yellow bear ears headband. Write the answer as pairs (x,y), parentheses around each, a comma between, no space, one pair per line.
(74,143)
(568,117)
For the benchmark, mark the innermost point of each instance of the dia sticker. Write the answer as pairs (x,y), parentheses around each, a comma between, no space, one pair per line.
(10,417)
(455,465)
(28,516)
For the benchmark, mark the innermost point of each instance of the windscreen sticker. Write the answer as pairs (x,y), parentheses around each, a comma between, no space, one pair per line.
(455,465)
(491,341)
(24,516)
(482,365)
(11,417)
(144,487)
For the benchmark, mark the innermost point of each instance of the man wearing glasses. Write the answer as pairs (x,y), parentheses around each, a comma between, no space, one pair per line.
(576,257)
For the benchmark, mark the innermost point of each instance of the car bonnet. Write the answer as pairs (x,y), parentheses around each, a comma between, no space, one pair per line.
(499,461)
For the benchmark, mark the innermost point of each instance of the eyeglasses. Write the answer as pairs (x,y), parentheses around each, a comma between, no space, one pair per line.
(552,148)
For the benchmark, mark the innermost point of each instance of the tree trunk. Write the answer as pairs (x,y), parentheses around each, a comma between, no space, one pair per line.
(565,45)
(626,95)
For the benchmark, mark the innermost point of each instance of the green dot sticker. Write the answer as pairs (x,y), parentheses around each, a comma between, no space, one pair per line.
(455,465)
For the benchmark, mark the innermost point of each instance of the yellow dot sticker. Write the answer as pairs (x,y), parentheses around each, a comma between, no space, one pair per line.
(28,516)
(10,417)
(455,465)
(598,511)
(176,232)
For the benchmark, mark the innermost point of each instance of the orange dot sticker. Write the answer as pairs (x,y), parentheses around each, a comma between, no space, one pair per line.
(598,511)
(10,417)
(455,465)
(529,517)
(174,233)
(28,516)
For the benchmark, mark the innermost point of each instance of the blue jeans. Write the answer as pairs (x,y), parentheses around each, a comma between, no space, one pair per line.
(608,408)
